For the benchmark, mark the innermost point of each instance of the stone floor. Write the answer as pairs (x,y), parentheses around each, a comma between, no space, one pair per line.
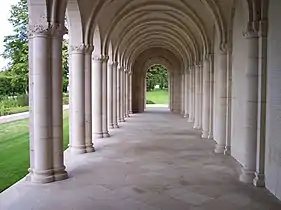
(154,161)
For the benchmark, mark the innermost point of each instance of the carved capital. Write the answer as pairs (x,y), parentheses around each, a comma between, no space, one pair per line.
(35,30)
(263,26)
(89,48)
(105,58)
(77,49)
(40,27)
(97,58)
(120,68)
(58,30)
(224,46)
(252,31)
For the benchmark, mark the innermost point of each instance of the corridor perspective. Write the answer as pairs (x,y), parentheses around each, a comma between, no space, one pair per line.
(218,144)
(156,161)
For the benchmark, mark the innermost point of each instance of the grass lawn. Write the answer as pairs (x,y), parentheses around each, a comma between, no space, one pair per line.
(14,150)
(158,96)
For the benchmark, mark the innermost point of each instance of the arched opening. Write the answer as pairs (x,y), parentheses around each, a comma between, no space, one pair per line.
(157,85)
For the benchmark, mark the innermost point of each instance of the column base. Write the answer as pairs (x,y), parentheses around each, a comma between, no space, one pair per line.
(259,180)
(111,125)
(60,174)
(247,176)
(77,149)
(130,112)
(98,135)
(190,120)
(204,134)
(210,136)
(105,134)
(186,116)
(90,148)
(116,125)
(127,115)
(219,149)
(122,120)
(42,177)
(227,150)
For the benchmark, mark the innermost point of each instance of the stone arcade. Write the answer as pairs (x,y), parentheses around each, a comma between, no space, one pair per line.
(224,64)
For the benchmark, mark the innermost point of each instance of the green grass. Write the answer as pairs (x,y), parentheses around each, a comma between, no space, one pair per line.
(14,150)
(158,96)
(19,109)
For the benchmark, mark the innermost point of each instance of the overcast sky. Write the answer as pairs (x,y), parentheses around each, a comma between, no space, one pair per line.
(5,26)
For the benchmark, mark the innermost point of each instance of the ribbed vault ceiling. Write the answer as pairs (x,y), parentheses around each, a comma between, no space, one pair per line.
(129,28)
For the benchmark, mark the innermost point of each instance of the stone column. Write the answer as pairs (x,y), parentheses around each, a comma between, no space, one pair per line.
(191,95)
(211,117)
(197,97)
(124,93)
(119,69)
(130,92)
(171,92)
(115,95)
(110,95)
(104,98)
(221,115)
(57,105)
(206,99)
(77,99)
(41,170)
(251,106)
(183,92)
(200,96)
(97,96)
(259,180)
(187,93)
(127,114)
(121,102)
(88,99)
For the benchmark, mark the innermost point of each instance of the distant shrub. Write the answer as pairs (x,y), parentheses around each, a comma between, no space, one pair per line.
(149,102)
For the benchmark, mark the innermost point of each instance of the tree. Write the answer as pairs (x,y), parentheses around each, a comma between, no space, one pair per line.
(156,75)
(16,49)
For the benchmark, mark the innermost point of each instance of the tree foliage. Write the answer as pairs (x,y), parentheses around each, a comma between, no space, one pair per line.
(15,76)
(156,75)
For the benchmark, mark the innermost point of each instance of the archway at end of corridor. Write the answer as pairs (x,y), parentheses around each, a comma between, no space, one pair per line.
(157,86)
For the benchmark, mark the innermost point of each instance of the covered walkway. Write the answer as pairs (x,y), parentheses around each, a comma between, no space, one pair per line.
(156,161)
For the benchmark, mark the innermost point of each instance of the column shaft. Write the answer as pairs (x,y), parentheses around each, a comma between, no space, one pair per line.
(115,95)
(57,104)
(206,99)
(42,171)
(251,106)
(221,115)
(182,77)
(200,114)
(211,117)
(97,97)
(104,98)
(77,98)
(130,93)
(127,114)
(121,102)
(119,69)
(88,99)
(191,95)
(110,95)
(187,93)
(197,97)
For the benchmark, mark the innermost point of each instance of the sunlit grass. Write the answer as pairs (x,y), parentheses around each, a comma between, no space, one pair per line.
(158,96)
(14,150)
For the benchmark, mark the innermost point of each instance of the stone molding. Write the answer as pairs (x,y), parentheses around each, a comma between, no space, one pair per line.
(58,30)
(77,49)
(89,48)
(252,31)
(35,30)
